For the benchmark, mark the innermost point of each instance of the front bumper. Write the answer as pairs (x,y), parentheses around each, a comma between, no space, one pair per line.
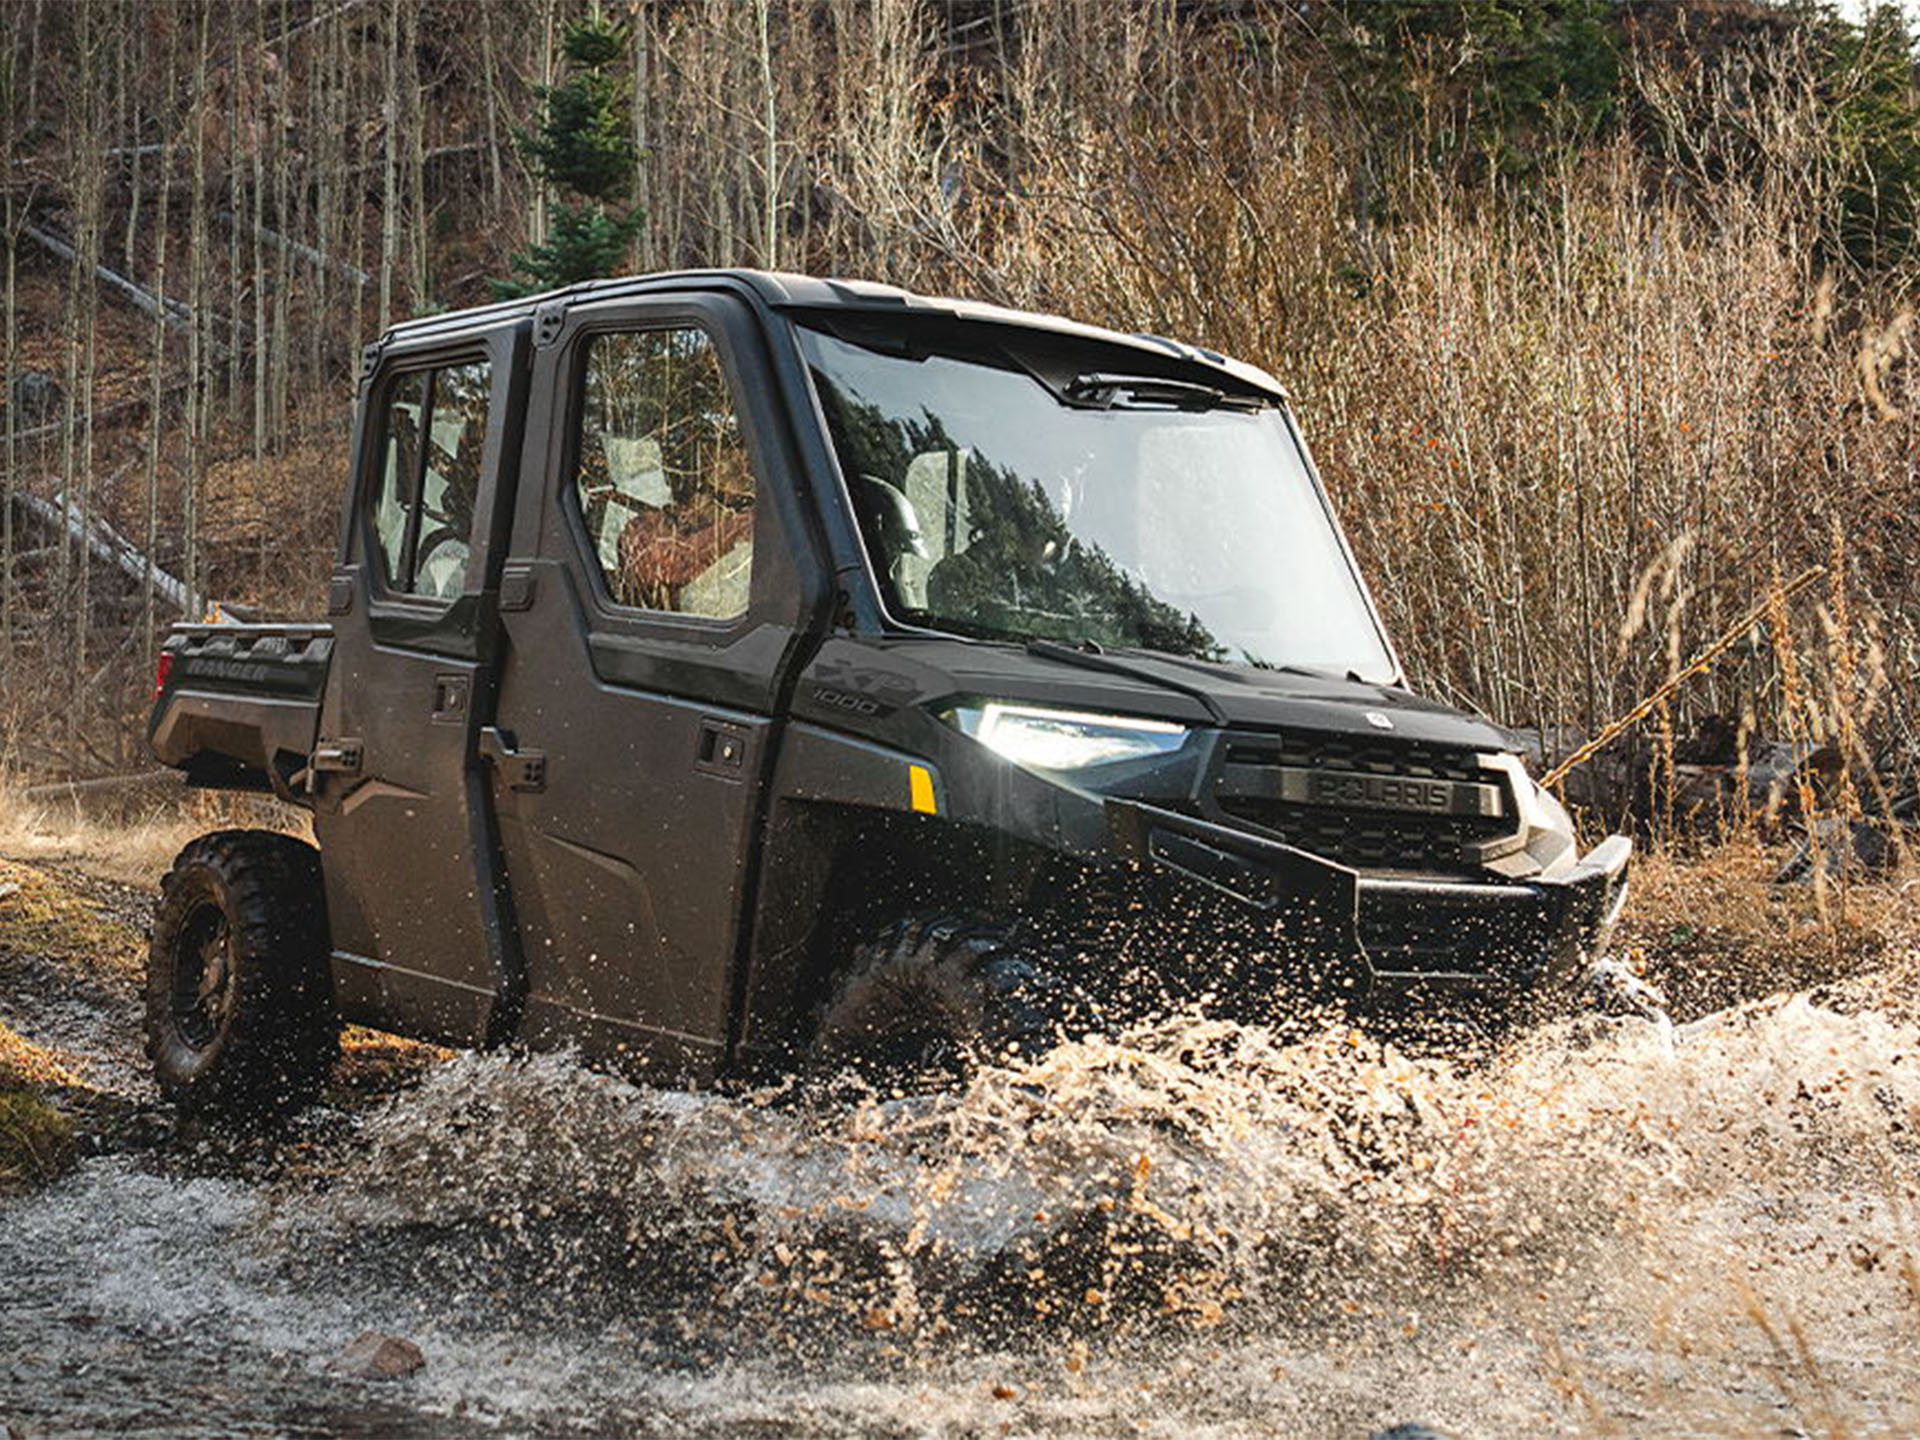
(1408,943)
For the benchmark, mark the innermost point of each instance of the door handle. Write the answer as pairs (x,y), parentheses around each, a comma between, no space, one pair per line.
(521,769)
(722,750)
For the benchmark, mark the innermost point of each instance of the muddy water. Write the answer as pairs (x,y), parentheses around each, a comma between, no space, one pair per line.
(1616,1228)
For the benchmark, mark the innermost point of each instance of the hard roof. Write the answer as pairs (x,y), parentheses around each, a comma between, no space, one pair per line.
(783,291)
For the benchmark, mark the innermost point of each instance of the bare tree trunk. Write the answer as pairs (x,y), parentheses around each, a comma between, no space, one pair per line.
(354,200)
(258,113)
(537,229)
(770,155)
(197,377)
(13,417)
(237,70)
(415,126)
(156,427)
(390,195)
(89,246)
(283,207)
(642,152)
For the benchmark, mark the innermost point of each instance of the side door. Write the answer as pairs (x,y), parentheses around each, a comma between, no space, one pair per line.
(399,790)
(656,603)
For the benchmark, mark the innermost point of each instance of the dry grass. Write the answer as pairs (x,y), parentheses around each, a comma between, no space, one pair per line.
(1713,930)
(36,1139)
(130,842)
(41,916)
(25,1064)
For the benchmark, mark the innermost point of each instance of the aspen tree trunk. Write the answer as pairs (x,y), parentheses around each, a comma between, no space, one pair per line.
(642,154)
(351,191)
(9,95)
(88,246)
(496,180)
(79,280)
(537,231)
(236,97)
(283,207)
(329,183)
(197,377)
(127,68)
(770,156)
(390,195)
(33,61)
(415,125)
(155,425)
(257,113)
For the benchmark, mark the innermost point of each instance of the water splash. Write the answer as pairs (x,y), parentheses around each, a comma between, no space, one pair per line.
(1612,1227)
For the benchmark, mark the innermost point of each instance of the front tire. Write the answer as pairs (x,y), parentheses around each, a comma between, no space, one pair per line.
(239,997)
(930,998)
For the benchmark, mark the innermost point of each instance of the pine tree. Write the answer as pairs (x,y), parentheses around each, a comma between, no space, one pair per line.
(584,145)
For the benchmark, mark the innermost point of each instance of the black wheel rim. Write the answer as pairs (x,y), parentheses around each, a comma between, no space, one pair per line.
(203,976)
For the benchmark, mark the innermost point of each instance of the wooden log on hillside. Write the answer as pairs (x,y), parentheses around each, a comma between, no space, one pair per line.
(64,789)
(171,311)
(108,545)
(317,258)
(100,417)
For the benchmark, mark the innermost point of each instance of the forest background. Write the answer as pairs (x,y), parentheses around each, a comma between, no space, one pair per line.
(1599,315)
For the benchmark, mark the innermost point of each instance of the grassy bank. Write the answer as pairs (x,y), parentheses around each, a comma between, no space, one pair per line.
(55,941)
(36,1136)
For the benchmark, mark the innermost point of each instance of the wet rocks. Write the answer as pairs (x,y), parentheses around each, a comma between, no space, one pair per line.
(376,1355)
(36,397)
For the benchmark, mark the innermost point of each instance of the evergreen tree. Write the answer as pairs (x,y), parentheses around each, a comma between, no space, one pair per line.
(584,146)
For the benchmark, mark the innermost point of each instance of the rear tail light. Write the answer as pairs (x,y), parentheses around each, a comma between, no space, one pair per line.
(162,668)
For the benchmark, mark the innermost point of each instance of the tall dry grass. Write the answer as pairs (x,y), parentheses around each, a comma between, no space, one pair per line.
(1576,428)
(1576,425)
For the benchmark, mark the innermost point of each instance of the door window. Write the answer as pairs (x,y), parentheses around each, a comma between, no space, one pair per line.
(433,430)
(662,480)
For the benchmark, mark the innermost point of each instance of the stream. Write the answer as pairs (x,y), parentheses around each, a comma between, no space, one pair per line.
(1614,1227)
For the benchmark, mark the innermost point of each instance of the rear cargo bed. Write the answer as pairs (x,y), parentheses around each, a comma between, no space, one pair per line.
(239,705)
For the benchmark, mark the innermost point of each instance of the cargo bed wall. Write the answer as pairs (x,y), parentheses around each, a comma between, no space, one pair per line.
(239,705)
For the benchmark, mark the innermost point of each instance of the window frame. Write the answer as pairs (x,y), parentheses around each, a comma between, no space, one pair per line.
(389,385)
(658,316)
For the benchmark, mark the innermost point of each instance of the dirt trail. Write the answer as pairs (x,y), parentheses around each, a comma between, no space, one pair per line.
(1614,1228)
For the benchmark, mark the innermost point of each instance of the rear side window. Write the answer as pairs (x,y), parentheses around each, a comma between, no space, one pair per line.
(663,483)
(433,428)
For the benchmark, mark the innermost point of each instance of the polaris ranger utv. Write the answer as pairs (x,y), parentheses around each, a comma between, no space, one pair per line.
(732,669)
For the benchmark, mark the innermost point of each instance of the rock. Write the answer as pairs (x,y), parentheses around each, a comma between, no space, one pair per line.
(35,398)
(1412,1432)
(1850,849)
(1613,988)
(375,1355)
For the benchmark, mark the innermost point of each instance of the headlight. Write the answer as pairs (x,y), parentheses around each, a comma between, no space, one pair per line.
(1065,739)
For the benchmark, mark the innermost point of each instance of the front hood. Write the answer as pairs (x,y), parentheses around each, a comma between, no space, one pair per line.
(1195,693)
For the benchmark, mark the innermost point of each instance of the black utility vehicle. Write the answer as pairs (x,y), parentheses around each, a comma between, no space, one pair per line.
(726,669)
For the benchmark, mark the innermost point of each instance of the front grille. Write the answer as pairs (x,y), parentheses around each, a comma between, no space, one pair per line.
(1364,837)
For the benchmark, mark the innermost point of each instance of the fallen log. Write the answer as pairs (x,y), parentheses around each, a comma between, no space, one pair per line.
(1698,665)
(62,789)
(172,313)
(317,258)
(100,417)
(108,546)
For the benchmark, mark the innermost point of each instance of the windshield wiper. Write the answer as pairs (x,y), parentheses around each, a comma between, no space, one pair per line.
(1099,390)
(1253,662)
(1312,672)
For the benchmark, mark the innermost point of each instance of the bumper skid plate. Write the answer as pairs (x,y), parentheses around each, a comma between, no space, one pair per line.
(1417,939)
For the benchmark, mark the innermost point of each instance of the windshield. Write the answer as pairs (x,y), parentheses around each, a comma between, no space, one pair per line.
(993,506)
